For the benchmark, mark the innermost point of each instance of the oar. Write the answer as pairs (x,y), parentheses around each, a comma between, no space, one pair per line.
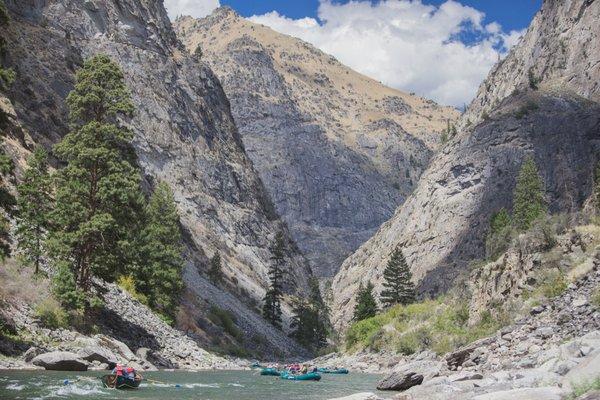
(177,385)
(68,382)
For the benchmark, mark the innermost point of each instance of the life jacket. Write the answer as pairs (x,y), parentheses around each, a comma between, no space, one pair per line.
(119,370)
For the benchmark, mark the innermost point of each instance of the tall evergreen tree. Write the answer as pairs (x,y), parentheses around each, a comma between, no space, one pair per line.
(215,271)
(398,285)
(272,299)
(307,326)
(528,199)
(162,262)
(597,185)
(6,204)
(98,196)
(366,306)
(34,203)
(310,322)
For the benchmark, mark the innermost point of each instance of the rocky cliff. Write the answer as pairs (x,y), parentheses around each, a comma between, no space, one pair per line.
(442,224)
(560,49)
(184,135)
(337,151)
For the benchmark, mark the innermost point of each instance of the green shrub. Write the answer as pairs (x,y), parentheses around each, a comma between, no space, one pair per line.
(127,283)
(51,314)
(440,325)
(225,320)
(585,387)
(553,284)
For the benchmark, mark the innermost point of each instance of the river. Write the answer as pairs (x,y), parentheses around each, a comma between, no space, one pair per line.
(180,385)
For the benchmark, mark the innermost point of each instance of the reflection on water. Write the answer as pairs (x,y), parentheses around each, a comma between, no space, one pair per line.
(209,385)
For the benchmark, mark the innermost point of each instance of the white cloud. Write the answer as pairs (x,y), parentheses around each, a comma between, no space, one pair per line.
(406,44)
(195,8)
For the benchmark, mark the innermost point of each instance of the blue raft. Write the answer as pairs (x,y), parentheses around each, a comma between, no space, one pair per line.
(333,371)
(269,372)
(311,376)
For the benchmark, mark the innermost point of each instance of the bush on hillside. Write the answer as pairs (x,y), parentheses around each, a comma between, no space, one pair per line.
(440,325)
(51,314)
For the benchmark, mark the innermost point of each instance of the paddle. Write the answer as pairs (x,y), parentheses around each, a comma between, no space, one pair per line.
(177,385)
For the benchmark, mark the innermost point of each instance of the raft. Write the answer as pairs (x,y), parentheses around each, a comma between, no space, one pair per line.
(121,382)
(333,371)
(269,372)
(311,376)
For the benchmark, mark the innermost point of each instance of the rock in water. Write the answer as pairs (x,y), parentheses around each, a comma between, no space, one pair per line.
(60,361)
(400,381)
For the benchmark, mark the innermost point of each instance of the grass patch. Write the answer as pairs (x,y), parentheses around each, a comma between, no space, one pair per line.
(440,325)
(581,389)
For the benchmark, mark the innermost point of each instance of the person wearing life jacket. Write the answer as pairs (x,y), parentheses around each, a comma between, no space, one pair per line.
(130,373)
(118,370)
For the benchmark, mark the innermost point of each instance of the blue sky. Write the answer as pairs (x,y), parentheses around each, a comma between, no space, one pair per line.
(511,14)
(439,49)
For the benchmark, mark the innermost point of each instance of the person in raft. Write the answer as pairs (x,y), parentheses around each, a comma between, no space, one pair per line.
(127,372)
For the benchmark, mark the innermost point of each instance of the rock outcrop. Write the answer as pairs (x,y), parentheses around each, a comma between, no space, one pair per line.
(441,226)
(184,134)
(337,151)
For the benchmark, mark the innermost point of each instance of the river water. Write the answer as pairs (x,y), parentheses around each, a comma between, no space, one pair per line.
(180,385)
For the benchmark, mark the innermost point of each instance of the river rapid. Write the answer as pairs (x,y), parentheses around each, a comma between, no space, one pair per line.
(181,385)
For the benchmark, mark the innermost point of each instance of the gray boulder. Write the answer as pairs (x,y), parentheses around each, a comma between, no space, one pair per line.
(60,361)
(400,381)
(98,353)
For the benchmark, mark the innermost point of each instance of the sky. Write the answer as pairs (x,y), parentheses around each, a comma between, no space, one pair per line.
(440,49)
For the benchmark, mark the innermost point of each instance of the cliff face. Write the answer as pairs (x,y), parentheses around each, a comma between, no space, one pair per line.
(442,224)
(560,49)
(337,151)
(184,135)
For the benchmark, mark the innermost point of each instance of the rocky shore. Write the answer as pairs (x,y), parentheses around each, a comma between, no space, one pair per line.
(128,333)
(550,354)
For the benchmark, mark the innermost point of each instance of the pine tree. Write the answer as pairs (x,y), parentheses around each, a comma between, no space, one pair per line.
(6,205)
(215,272)
(34,203)
(307,327)
(65,288)
(272,299)
(528,199)
(398,285)
(499,235)
(98,196)
(366,306)
(162,262)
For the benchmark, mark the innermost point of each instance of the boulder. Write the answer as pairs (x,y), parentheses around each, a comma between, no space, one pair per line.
(465,376)
(31,353)
(98,353)
(360,396)
(545,393)
(400,381)
(60,361)
(585,371)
